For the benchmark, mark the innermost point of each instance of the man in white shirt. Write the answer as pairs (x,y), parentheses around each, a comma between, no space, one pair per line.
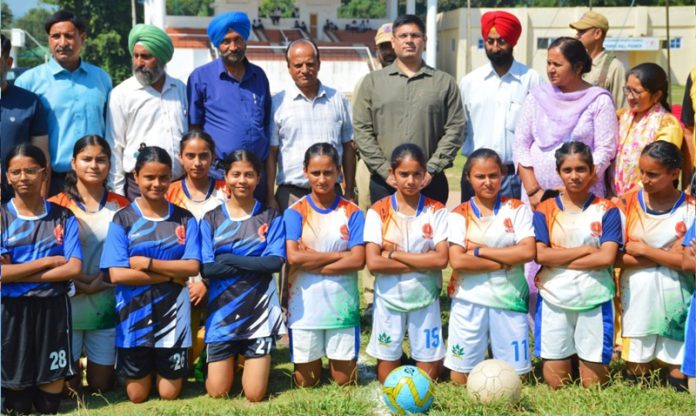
(493,95)
(305,113)
(149,107)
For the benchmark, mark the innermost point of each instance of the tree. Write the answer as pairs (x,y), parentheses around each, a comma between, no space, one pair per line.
(362,9)
(287,7)
(6,16)
(107,33)
(190,7)
(33,23)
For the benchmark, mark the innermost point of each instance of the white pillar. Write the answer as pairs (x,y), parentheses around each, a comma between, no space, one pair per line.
(431,32)
(410,6)
(155,12)
(392,9)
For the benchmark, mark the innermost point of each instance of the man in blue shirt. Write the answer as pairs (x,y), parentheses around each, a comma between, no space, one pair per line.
(73,92)
(230,97)
(22,118)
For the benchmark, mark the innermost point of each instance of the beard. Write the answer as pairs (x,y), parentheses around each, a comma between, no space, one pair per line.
(148,76)
(233,57)
(500,59)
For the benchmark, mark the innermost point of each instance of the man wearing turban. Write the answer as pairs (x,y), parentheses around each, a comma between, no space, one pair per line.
(230,97)
(492,96)
(149,107)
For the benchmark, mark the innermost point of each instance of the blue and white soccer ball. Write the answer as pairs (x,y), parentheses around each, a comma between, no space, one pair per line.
(408,389)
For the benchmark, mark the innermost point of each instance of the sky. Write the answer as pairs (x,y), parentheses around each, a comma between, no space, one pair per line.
(20,7)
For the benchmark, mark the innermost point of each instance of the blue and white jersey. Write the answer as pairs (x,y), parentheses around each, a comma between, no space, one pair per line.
(242,306)
(155,315)
(25,239)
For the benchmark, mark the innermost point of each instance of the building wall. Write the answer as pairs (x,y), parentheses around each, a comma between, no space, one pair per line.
(459,53)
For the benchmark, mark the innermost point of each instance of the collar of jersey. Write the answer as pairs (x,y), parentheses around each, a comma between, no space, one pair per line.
(421,204)
(254,211)
(645,209)
(136,207)
(211,188)
(476,210)
(101,204)
(586,205)
(320,210)
(47,209)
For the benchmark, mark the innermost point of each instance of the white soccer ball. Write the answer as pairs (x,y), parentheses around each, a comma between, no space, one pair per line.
(494,380)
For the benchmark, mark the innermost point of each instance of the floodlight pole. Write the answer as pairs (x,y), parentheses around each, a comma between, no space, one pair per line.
(669,50)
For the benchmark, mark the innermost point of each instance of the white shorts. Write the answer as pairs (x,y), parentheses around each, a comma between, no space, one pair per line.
(471,326)
(307,345)
(559,333)
(424,333)
(99,345)
(650,347)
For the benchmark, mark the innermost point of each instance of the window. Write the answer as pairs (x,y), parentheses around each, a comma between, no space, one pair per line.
(674,43)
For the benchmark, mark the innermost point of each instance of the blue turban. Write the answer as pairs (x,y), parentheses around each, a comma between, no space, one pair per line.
(220,25)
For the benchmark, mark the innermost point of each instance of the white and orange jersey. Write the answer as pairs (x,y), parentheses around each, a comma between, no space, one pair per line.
(655,300)
(318,301)
(93,225)
(598,222)
(178,194)
(419,233)
(510,223)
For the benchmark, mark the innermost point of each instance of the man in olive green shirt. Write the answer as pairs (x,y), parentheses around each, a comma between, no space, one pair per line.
(607,71)
(408,102)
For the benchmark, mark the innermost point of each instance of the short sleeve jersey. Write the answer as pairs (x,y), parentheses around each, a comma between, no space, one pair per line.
(178,194)
(655,300)
(155,315)
(599,222)
(317,301)
(510,223)
(419,233)
(95,311)
(242,306)
(25,239)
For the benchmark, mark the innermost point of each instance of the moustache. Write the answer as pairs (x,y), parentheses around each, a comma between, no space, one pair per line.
(66,48)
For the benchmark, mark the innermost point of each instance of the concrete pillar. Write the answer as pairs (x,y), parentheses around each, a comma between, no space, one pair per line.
(410,6)
(392,9)
(431,32)
(155,12)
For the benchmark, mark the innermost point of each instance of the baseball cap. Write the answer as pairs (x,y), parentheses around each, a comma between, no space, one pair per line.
(384,34)
(589,20)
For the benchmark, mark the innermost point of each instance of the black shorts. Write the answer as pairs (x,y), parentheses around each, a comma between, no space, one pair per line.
(170,363)
(249,348)
(36,341)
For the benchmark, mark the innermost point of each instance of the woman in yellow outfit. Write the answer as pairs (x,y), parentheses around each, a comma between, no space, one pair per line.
(646,119)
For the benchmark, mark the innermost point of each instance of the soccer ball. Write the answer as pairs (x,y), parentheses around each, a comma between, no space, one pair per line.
(494,380)
(408,389)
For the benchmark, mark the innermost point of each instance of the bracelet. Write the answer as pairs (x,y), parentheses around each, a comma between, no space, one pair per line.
(534,191)
(476,251)
(391,253)
(149,264)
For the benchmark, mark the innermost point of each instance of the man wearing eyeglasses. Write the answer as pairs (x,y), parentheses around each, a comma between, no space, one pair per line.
(493,95)
(607,71)
(408,102)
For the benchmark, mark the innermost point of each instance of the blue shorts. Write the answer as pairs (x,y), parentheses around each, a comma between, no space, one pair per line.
(689,365)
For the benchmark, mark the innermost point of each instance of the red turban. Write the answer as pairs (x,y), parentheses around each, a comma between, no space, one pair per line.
(506,24)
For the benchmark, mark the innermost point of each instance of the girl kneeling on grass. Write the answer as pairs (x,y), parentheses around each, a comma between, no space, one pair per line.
(578,236)
(243,243)
(325,250)
(655,292)
(40,249)
(93,308)
(491,238)
(151,249)
(406,236)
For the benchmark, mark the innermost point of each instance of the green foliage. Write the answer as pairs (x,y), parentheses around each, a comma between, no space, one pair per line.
(6,16)
(107,33)
(190,7)
(33,22)
(287,7)
(362,9)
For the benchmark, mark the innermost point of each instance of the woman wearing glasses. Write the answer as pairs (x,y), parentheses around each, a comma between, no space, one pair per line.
(646,119)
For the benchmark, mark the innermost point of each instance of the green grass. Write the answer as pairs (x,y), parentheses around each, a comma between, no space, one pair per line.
(677,94)
(454,174)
